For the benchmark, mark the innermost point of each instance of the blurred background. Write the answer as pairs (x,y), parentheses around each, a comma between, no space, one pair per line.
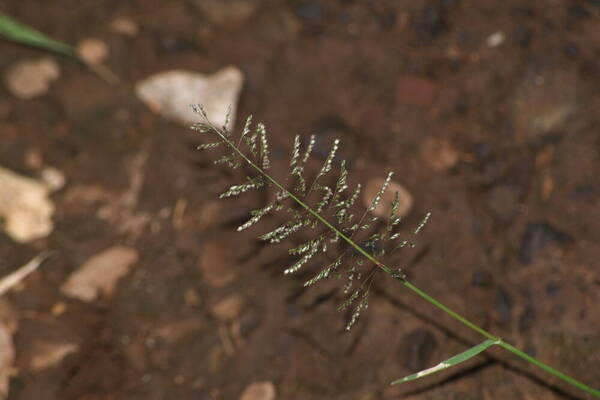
(486,110)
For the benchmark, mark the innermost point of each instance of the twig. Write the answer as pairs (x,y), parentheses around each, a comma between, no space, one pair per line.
(12,279)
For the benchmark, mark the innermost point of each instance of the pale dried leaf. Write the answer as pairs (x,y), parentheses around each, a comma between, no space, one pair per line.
(100,273)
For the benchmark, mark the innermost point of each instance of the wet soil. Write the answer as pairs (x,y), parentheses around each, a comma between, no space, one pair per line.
(510,88)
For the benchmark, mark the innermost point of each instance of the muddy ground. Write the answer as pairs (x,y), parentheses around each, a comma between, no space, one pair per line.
(509,89)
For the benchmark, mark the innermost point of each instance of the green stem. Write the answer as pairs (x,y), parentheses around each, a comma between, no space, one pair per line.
(502,343)
(549,369)
(450,312)
(412,287)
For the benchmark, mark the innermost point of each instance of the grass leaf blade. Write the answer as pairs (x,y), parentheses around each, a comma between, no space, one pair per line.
(23,34)
(452,361)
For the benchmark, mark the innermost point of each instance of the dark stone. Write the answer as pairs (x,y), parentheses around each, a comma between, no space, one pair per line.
(482,278)
(530,349)
(431,20)
(538,235)
(502,305)
(311,13)
(491,172)
(523,36)
(586,191)
(387,20)
(527,318)
(503,202)
(553,288)
(571,49)
(449,3)
(249,322)
(173,44)
(461,106)
(521,12)
(482,151)
(327,129)
(417,348)
(577,11)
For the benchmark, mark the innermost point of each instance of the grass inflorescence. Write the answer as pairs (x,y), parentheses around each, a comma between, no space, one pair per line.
(325,206)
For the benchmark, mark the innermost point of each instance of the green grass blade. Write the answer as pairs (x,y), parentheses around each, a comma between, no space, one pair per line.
(452,361)
(23,34)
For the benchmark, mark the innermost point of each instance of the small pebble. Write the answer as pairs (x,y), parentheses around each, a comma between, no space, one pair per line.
(31,78)
(216,264)
(34,159)
(439,153)
(259,391)
(538,235)
(124,26)
(495,39)
(54,179)
(92,51)
(229,308)
(502,305)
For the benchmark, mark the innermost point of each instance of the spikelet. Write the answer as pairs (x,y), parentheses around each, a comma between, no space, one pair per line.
(297,167)
(309,149)
(325,272)
(295,153)
(229,159)
(206,146)
(326,164)
(245,138)
(256,216)
(422,223)
(311,251)
(342,214)
(253,183)
(362,305)
(198,109)
(285,230)
(325,198)
(348,302)
(341,184)
(264,146)
(377,198)
(227,121)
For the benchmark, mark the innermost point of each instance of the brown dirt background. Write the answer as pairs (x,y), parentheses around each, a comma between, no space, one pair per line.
(513,242)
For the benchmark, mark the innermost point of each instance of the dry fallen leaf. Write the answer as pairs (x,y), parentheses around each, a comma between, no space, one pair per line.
(48,354)
(171,93)
(7,358)
(100,273)
(25,206)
